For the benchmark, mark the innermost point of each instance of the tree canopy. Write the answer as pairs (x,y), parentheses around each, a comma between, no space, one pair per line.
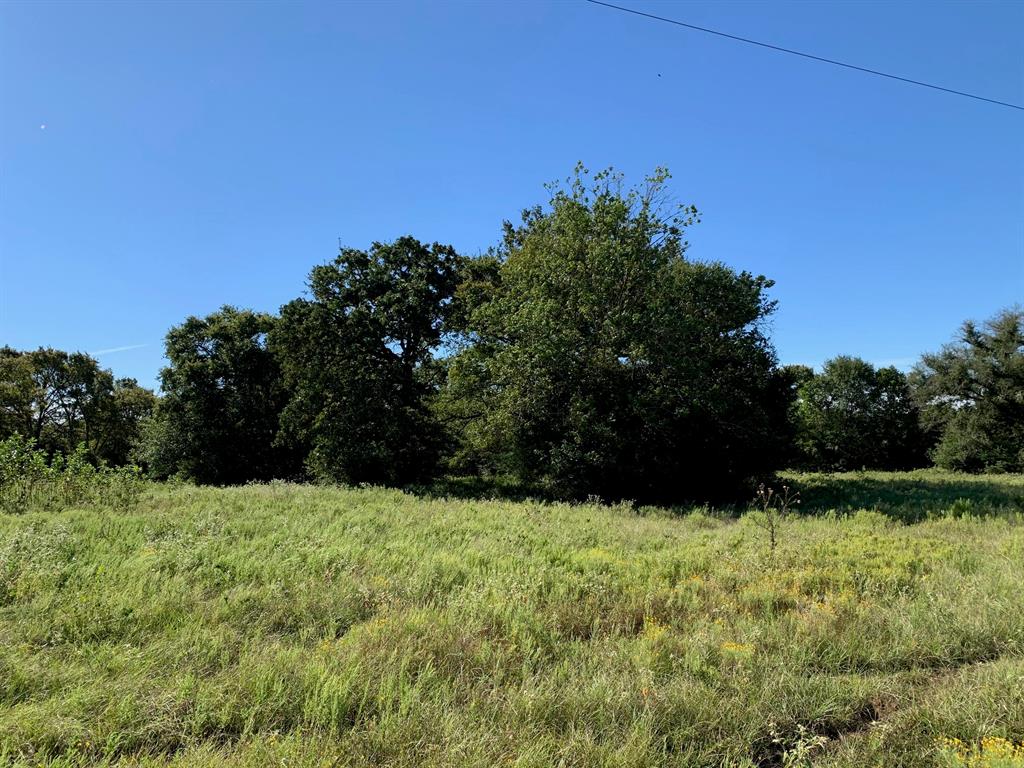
(586,354)
(854,416)
(357,356)
(61,400)
(222,395)
(598,360)
(972,396)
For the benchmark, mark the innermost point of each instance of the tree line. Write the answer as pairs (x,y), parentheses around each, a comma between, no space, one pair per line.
(586,354)
(61,400)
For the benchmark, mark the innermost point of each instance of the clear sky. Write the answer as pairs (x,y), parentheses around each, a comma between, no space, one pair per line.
(161,159)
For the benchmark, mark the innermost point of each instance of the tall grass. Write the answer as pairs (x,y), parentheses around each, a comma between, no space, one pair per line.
(303,626)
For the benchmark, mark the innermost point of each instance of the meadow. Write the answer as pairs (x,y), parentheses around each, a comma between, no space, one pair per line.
(297,625)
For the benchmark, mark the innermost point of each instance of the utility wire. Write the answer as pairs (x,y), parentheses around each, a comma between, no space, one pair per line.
(804,55)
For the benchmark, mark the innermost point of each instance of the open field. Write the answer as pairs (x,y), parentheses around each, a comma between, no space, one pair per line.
(303,626)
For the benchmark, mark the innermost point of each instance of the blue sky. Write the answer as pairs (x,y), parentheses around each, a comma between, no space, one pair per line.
(197,154)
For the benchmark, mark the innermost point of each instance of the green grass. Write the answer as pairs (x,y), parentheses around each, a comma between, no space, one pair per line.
(911,496)
(301,626)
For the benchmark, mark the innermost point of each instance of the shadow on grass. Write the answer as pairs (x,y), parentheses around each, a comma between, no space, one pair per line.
(905,496)
(508,489)
(910,496)
(476,488)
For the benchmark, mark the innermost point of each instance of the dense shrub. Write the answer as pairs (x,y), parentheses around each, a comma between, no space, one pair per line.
(28,480)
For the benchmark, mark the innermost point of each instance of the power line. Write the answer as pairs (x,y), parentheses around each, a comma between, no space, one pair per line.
(804,55)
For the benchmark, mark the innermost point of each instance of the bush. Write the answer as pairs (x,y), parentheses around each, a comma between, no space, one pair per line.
(28,481)
(22,470)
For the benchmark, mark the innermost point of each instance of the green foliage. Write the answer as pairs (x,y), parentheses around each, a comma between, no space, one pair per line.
(791,379)
(358,357)
(118,433)
(305,626)
(22,470)
(60,400)
(17,392)
(597,360)
(854,416)
(972,396)
(585,356)
(223,395)
(29,481)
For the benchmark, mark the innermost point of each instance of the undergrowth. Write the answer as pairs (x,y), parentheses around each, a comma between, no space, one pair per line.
(28,480)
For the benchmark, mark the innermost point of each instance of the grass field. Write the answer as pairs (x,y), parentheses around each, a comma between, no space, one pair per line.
(300,626)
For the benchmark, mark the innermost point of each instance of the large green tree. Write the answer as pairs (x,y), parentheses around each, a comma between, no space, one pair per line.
(854,416)
(358,356)
(598,360)
(972,396)
(223,394)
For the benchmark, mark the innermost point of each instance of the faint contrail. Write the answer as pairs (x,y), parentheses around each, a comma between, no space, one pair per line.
(112,350)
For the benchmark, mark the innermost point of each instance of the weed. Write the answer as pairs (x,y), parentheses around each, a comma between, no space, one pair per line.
(773,509)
